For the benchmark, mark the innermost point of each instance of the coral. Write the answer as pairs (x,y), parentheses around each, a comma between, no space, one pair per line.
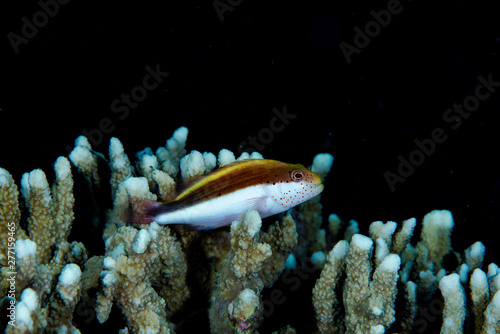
(166,184)
(410,306)
(30,318)
(136,261)
(474,255)
(62,303)
(282,238)
(196,164)
(153,278)
(492,316)
(63,200)
(41,225)
(479,297)
(254,260)
(403,236)
(26,261)
(225,157)
(436,236)
(368,303)
(324,299)
(119,164)
(9,214)
(454,304)
(51,215)
(84,159)
(243,309)
(58,313)
(170,155)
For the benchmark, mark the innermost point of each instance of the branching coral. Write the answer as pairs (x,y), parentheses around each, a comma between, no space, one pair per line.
(42,253)
(119,165)
(454,304)
(155,274)
(58,313)
(248,266)
(9,214)
(85,160)
(369,301)
(137,261)
(324,299)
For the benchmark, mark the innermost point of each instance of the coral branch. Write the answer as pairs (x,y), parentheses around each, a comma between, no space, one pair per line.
(162,277)
(324,299)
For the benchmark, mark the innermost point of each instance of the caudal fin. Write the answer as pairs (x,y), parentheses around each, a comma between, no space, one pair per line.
(140,211)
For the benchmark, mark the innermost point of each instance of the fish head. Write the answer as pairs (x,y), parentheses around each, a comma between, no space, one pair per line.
(305,181)
(290,185)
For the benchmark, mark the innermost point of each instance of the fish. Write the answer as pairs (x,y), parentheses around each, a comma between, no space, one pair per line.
(221,197)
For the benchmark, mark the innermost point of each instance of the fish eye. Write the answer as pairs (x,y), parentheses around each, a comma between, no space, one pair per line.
(297,175)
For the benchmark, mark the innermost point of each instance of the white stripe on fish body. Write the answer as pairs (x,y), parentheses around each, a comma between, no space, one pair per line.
(218,211)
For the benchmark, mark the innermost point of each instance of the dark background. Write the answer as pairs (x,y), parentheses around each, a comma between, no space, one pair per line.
(227,76)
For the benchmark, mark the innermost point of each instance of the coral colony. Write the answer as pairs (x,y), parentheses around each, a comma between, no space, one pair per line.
(144,276)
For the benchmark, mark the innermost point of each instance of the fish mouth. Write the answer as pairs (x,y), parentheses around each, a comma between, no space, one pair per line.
(319,186)
(319,183)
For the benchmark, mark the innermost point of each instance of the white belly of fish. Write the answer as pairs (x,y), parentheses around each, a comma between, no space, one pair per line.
(218,211)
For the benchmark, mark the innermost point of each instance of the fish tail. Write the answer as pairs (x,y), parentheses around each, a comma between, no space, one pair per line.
(140,211)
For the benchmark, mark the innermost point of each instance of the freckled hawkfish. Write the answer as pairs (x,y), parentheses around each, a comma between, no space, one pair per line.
(222,196)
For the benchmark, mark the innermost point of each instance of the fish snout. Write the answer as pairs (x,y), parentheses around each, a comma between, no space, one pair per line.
(317,181)
(320,187)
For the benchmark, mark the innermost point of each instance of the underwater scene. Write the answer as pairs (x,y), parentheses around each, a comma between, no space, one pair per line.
(249,167)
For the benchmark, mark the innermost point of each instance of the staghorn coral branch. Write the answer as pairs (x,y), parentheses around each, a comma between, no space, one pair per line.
(145,270)
(324,299)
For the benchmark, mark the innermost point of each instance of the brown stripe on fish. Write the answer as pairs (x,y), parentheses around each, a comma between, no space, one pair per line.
(234,177)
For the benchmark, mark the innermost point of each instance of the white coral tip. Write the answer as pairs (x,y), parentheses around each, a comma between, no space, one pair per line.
(322,163)
(25,248)
(80,155)
(192,164)
(30,298)
(70,274)
(340,250)
(479,280)
(23,315)
(361,242)
(256,155)
(441,218)
(141,241)
(62,168)
(391,263)
(379,329)
(253,222)
(109,262)
(450,284)
(180,135)
(225,157)
(136,186)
